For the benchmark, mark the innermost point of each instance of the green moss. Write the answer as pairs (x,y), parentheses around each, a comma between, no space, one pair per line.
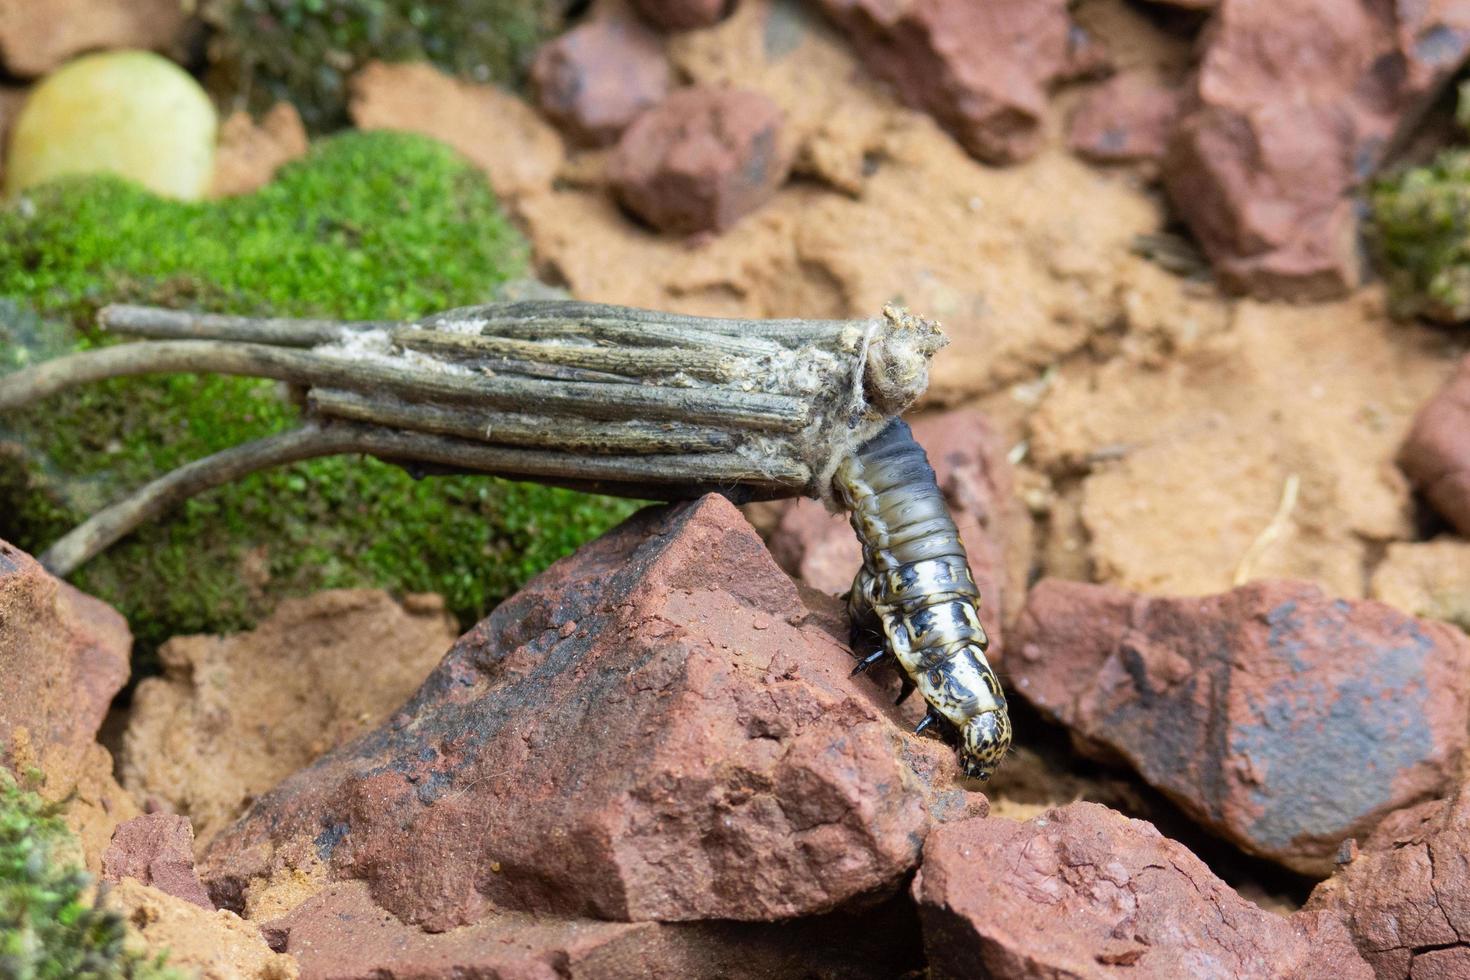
(48,929)
(369,225)
(306,51)
(1420,231)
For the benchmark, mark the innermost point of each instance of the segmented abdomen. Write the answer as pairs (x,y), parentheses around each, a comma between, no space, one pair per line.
(916,581)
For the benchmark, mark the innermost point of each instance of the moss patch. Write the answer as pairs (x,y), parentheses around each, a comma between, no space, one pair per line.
(306,51)
(1420,230)
(369,225)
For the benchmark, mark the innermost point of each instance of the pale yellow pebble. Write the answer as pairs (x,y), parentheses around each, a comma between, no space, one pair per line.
(131,113)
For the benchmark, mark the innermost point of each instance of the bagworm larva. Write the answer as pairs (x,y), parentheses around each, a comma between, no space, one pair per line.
(916,583)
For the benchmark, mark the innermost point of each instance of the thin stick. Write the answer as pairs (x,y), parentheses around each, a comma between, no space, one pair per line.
(519,429)
(1273,530)
(755,410)
(669,476)
(637,362)
(111,523)
(155,322)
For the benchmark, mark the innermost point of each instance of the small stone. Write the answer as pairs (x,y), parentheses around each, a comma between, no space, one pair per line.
(595,79)
(701,159)
(1283,720)
(1406,897)
(38,36)
(1293,106)
(250,153)
(129,113)
(1126,119)
(667,761)
(982,68)
(683,15)
(1082,891)
(1436,454)
(157,849)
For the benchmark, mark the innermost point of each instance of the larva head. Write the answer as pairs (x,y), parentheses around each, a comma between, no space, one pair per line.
(984,741)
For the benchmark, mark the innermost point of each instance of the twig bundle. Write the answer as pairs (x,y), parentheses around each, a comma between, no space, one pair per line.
(600,398)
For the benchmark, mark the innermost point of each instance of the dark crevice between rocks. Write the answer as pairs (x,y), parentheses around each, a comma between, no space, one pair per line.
(1050,770)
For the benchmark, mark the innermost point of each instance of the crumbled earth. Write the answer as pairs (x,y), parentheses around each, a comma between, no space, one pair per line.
(63,656)
(1427,578)
(1082,891)
(234,715)
(37,37)
(701,159)
(207,944)
(595,79)
(1177,456)
(770,783)
(500,134)
(819,549)
(249,153)
(1436,452)
(1281,719)
(1404,893)
(158,850)
(341,933)
(1292,107)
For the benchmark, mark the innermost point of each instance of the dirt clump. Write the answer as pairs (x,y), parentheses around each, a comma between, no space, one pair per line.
(1436,452)
(250,152)
(37,37)
(234,715)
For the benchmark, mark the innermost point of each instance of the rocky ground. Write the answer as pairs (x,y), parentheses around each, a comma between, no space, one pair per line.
(1217,500)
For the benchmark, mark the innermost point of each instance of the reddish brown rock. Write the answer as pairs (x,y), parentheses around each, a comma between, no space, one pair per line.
(156,849)
(38,35)
(969,460)
(1294,104)
(655,728)
(1284,720)
(1436,454)
(1126,119)
(1405,895)
(683,15)
(595,79)
(63,656)
(701,159)
(980,67)
(340,933)
(1082,891)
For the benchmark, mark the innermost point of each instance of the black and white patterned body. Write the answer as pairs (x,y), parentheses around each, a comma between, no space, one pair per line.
(915,586)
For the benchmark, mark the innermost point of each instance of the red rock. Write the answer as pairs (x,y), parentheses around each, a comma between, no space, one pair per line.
(156,849)
(1405,897)
(38,35)
(63,655)
(595,79)
(701,159)
(1282,719)
(340,933)
(969,459)
(1436,454)
(656,728)
(1293,105)
(1125,119)
(1082,891)
(683,15)
(980,67)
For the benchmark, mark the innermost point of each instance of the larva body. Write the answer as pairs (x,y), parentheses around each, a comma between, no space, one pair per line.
(916,584)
